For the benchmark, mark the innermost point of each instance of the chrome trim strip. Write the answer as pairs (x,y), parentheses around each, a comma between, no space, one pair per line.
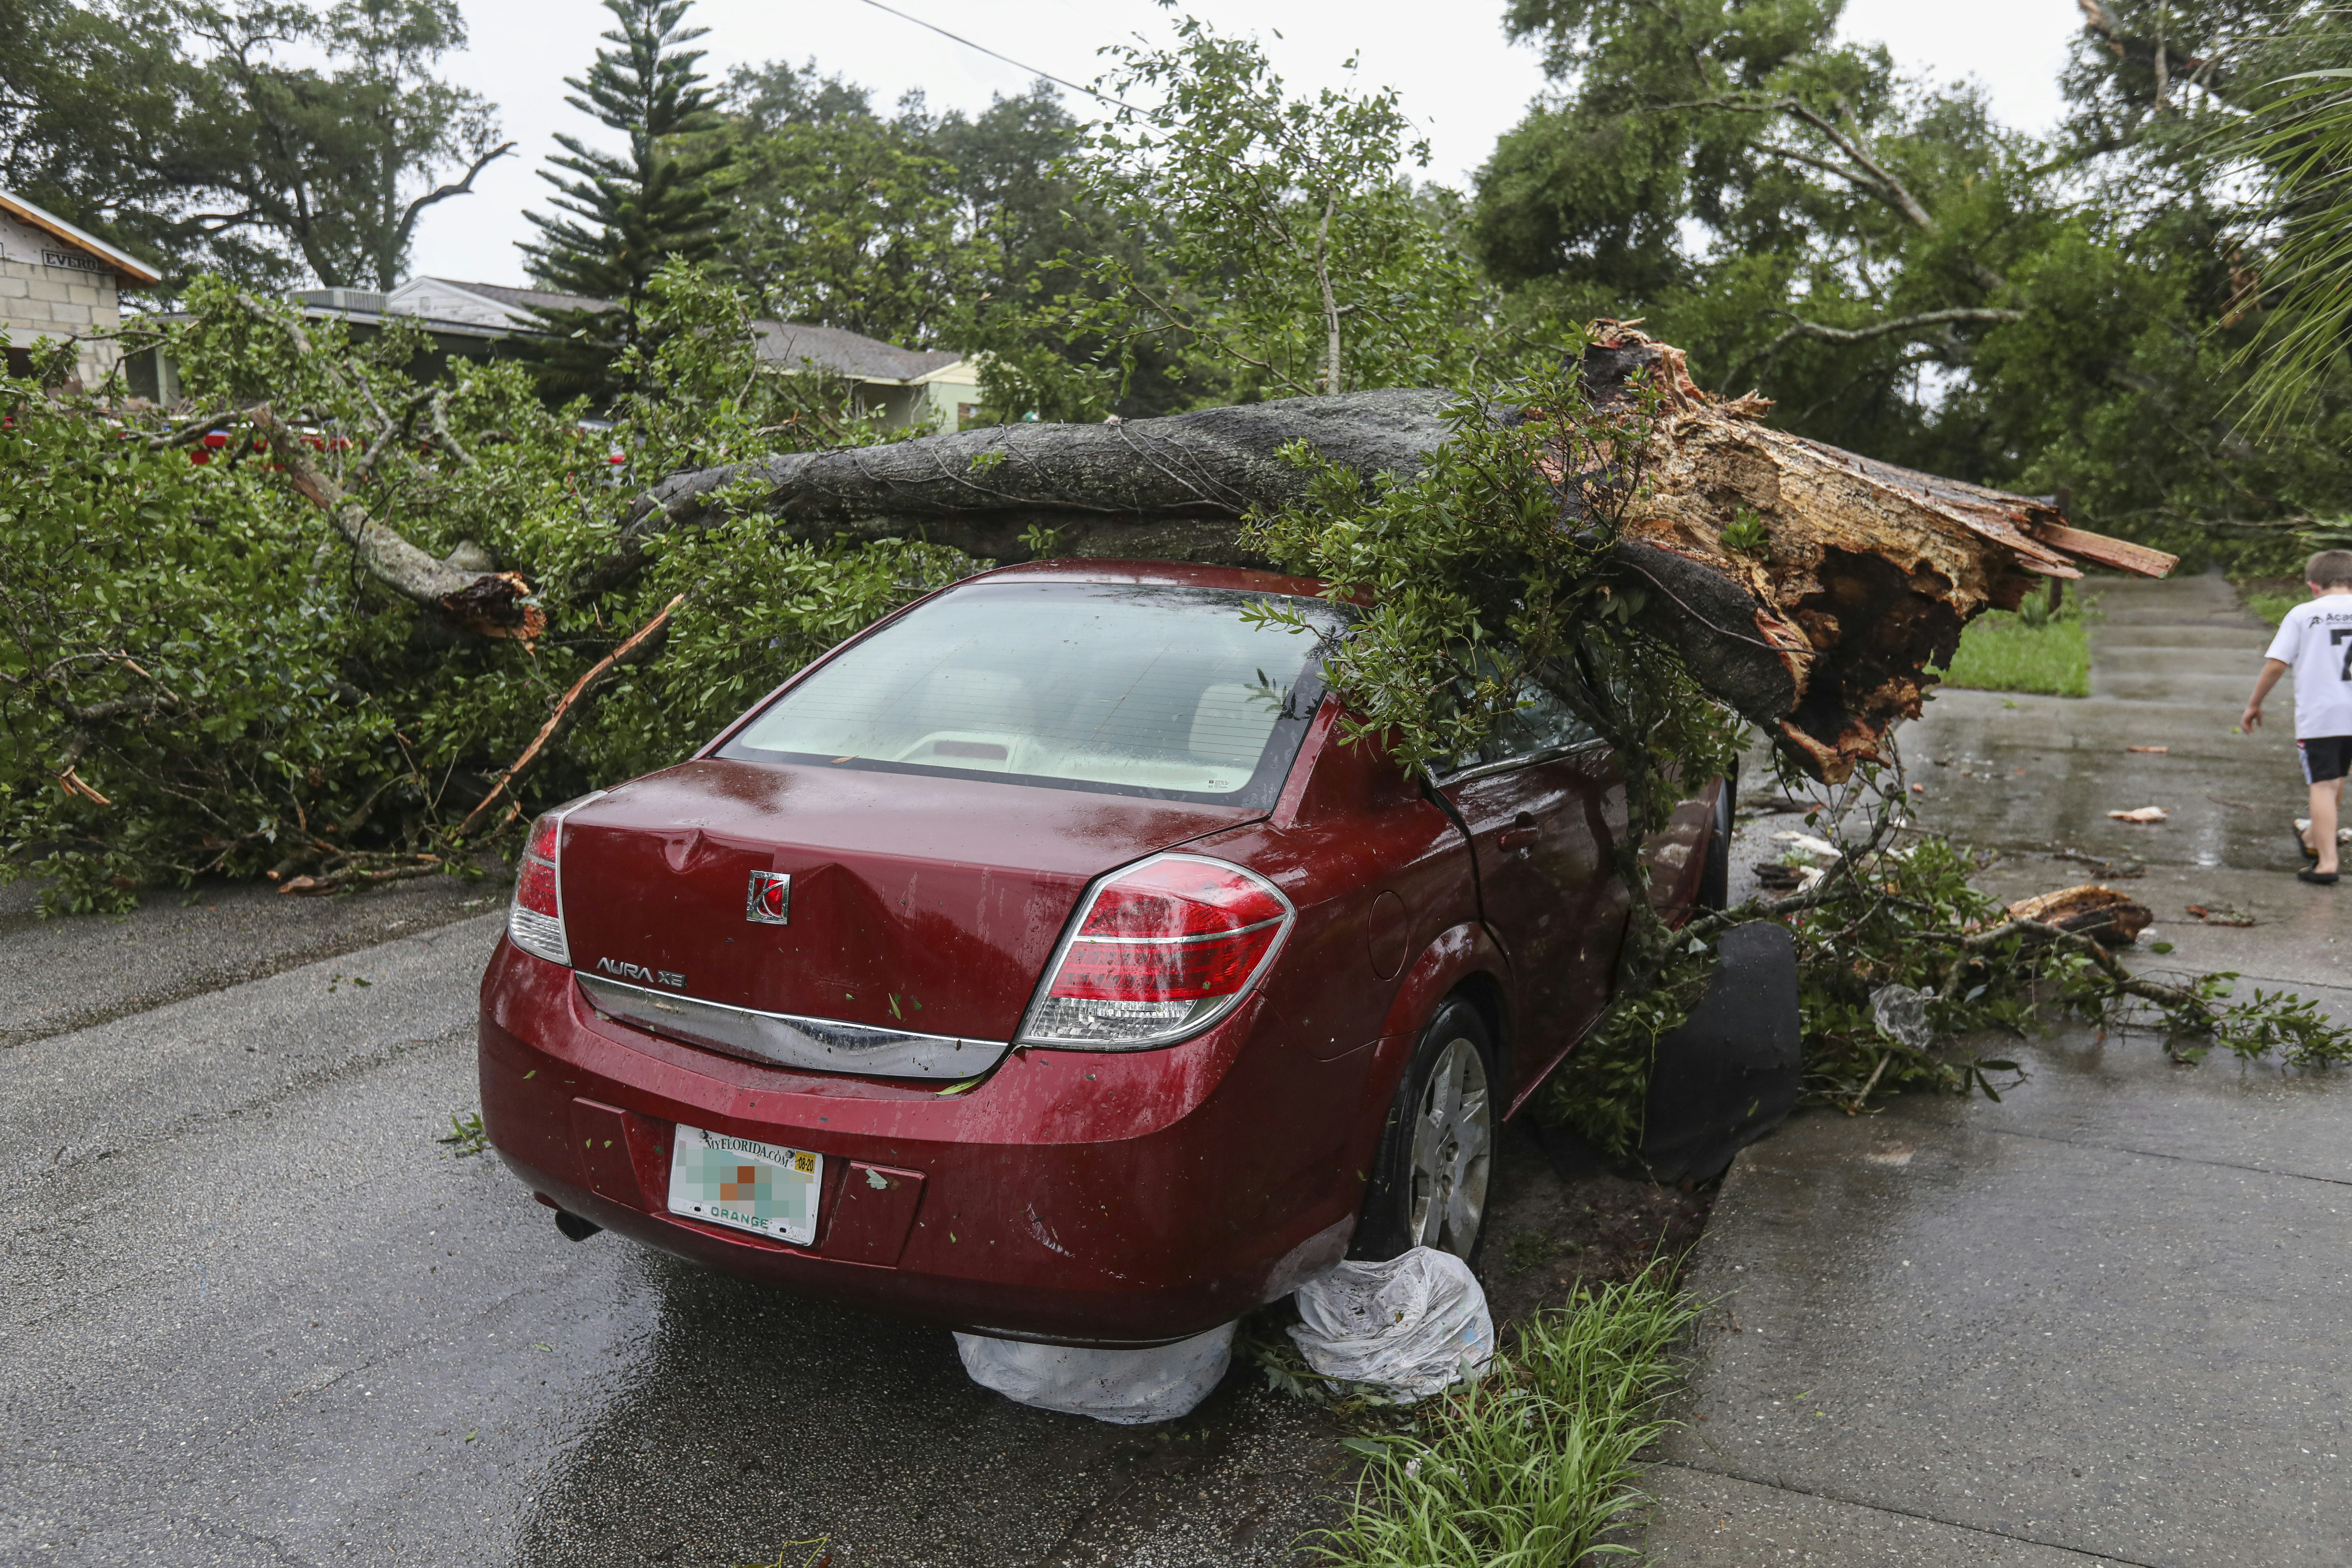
(1179,940)
(1487,769)
(786,1039)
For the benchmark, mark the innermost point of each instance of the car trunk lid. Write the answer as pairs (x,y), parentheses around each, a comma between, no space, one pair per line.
(918,902)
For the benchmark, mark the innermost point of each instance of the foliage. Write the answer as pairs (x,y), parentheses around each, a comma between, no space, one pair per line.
(197,679)
(173,655)
(1486,587)
(1908,277)
(1288,255)
(467,1134)
(2027,649)
(2303,144)
(1535,1464)
(1475,591)
(1897,913)
(260,140)
(2272,607)
(619,220)
(848,221)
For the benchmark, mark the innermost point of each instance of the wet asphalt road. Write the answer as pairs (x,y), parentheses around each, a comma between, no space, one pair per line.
(255,1313)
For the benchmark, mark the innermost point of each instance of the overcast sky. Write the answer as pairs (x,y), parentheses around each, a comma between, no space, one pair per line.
(1459,81)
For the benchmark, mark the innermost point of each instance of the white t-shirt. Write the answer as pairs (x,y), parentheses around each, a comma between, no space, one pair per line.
(2317,639)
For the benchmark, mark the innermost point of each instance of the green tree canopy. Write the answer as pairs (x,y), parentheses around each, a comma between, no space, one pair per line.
(1906,276)
(1279,246)
(189,132)
(620,219)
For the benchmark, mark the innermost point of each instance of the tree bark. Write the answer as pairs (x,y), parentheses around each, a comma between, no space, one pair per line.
(484,603)
(1824,638)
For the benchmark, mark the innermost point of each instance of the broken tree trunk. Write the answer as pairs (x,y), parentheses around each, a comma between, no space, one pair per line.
(1824,638)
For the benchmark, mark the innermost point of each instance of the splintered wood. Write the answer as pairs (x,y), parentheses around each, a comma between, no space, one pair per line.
(1870,570)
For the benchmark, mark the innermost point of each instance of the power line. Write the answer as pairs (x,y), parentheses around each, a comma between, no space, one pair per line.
(1008,59)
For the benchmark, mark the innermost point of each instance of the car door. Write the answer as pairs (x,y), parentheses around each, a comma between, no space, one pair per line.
(1543,805)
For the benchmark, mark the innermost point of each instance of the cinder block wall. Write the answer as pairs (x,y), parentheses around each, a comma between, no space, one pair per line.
(38,300)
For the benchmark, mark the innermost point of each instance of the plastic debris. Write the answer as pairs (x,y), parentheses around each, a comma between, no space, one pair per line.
(1414,1325)
(1901,1013)
(1810,844)
(2143,814)
(1125,1387)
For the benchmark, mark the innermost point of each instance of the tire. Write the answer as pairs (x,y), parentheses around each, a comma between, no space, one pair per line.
(1433,1175)
(1715,878)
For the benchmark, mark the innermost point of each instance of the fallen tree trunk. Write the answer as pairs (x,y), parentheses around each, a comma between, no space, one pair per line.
(1823,636)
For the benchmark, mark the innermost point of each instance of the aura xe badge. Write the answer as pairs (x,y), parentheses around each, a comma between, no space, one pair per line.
(771,900)
(622,969)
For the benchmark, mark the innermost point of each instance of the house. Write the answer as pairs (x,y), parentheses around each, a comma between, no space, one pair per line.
(932,388)
(59,282)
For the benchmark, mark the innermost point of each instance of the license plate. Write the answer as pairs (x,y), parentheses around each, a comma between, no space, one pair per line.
(745,1184)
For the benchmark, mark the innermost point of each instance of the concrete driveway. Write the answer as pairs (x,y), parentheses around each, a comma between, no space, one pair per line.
(2105,1319)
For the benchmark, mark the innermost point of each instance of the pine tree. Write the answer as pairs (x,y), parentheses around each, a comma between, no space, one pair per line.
(620,219)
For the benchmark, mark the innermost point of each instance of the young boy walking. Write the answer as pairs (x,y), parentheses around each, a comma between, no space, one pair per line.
(2315,642)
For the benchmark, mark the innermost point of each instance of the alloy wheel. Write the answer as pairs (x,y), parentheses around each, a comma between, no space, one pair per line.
(1453,1153)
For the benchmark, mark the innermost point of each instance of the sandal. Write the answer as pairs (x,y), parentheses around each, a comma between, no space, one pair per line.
(2310,855)
(2321,878)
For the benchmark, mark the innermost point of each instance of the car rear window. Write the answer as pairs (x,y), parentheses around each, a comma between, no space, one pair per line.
(1134,688)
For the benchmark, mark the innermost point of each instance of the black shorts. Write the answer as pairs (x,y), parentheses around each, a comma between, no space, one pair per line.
(2326,757)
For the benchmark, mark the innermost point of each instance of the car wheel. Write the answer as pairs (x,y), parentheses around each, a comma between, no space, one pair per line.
(1715,879)
(1437,1154)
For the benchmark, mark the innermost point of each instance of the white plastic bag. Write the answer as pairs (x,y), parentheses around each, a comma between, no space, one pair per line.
(1129,1387)
(1414,1323)
(1901,1015)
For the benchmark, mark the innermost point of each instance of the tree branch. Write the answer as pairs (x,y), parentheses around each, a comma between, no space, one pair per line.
(1895,193)
(408,215)
(1876,330)
(488,604)
(2204,73)
(1330,302)
(629,651)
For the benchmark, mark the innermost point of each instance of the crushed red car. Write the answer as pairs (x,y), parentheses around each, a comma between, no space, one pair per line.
(1042,963)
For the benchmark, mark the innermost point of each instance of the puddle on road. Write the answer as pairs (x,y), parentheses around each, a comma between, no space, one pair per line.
(754,1419)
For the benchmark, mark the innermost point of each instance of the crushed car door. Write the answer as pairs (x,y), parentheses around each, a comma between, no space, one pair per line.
(1543,804)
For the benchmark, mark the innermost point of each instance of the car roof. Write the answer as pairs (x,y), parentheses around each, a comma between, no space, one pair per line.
(1175,574)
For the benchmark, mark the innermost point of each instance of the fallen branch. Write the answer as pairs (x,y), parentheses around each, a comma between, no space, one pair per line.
(556,720)
(2184,1006)
(1824,638)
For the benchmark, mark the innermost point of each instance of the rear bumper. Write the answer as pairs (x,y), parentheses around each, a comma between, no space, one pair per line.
(1080,1197)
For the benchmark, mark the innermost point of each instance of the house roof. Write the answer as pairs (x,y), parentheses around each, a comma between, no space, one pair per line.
(136,273)
(527,298)
(847,353)
(785,344)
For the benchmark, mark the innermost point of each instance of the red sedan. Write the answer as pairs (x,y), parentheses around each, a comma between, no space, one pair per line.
(1040,963)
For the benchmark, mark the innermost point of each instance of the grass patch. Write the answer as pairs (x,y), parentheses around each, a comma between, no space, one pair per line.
(467,1134)
(2272,607)
(1534,1465)
(2005,651)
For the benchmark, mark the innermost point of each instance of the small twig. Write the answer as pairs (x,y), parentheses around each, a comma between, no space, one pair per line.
(196,430)
(555,720)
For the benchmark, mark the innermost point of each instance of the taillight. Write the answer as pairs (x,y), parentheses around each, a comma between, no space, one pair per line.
(535,920)
(1158,952)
